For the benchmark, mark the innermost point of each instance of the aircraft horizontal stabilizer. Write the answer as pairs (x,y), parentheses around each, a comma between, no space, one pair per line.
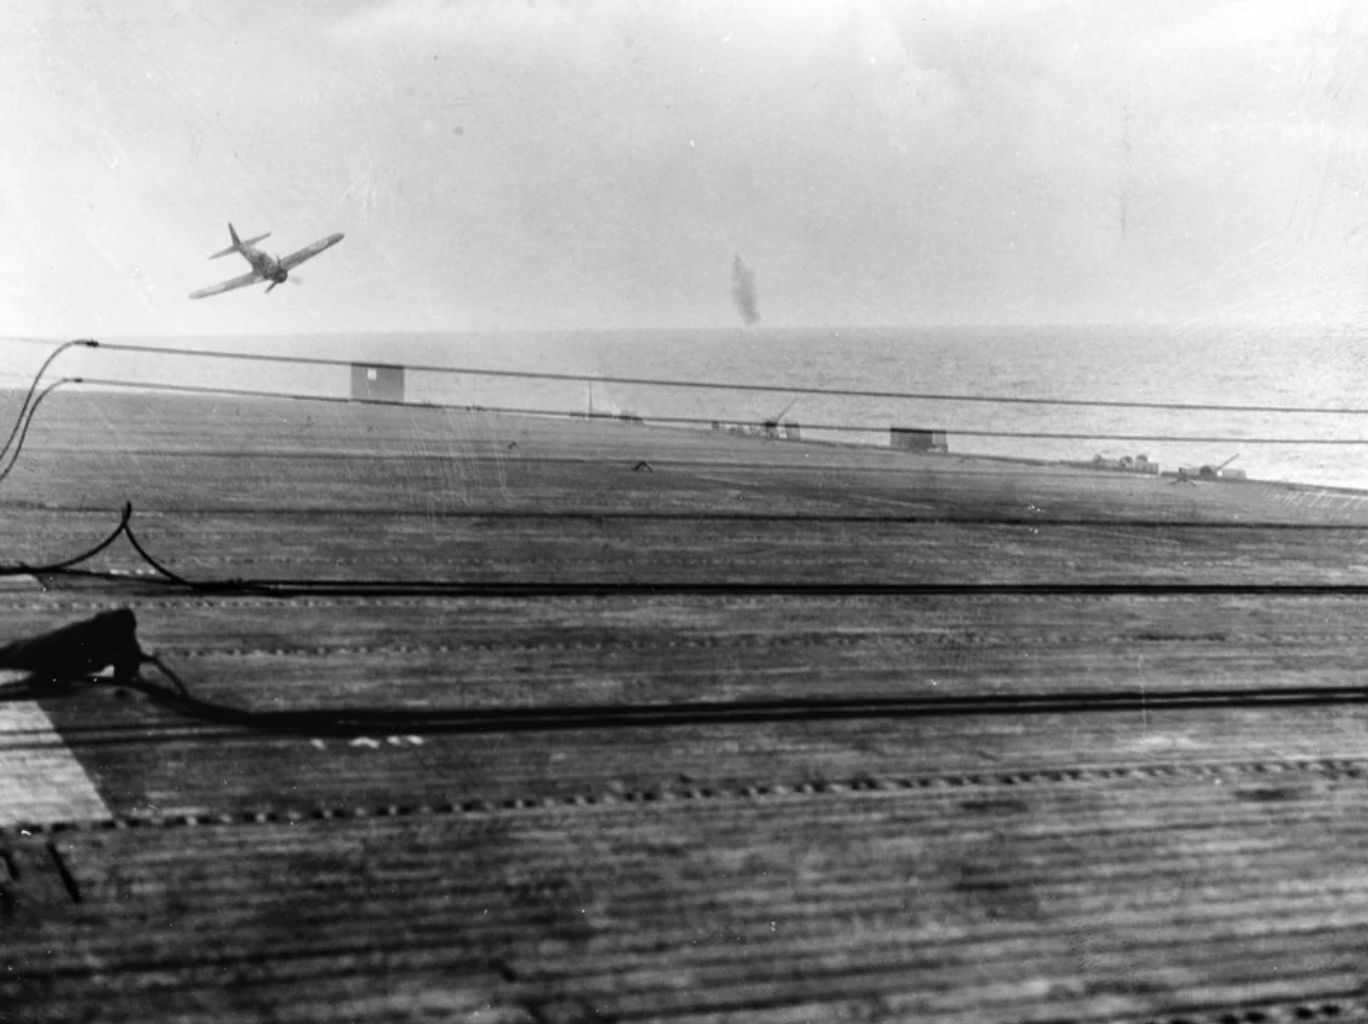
(264,267)
(237,246)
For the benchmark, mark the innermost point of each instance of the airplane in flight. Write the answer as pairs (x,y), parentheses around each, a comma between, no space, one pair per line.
(264,267)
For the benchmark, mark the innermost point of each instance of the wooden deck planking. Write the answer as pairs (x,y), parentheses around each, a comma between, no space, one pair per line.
(725,895)
(153,766)
(168,453)
(926,487)
(40,779)
(1118,865)
(472,652)
(682,549)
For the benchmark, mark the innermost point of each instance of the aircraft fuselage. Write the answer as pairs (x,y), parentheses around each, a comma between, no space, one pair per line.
(265,265)
(275,269)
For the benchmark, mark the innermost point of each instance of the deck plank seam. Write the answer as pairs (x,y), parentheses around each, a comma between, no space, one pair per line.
(1326,768)
(1329,1006)
(758,641)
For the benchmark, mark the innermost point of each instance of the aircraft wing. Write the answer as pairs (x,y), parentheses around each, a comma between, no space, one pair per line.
(237,282)
(309,251)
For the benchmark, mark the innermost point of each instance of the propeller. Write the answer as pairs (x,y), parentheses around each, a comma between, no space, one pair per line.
(284,276)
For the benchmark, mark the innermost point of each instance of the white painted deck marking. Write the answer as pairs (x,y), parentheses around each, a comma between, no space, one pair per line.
(40,779)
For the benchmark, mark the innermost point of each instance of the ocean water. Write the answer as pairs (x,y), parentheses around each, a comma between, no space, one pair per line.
(1204,365)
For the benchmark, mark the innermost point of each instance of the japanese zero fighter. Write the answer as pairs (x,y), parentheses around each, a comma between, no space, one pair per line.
(264,267)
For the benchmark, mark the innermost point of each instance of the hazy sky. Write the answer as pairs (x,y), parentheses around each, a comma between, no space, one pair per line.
(509,163)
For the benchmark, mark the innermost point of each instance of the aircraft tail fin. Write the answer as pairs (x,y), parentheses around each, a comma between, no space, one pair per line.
(238,244)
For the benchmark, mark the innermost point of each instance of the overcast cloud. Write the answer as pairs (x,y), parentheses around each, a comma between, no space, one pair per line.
(504,163)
